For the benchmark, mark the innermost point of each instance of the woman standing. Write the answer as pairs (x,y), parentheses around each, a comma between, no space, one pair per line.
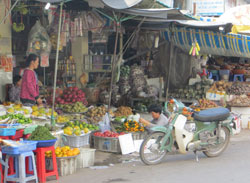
(30,89)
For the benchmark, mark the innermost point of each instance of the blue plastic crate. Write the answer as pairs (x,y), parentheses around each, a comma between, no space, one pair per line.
(45,143)
(16,124)
(7,131)
(25,146)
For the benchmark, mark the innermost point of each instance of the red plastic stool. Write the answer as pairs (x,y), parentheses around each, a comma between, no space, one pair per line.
(1,173)
(42,172)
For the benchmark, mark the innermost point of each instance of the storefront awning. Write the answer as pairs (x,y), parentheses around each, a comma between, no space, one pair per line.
(121,4)
(210,42)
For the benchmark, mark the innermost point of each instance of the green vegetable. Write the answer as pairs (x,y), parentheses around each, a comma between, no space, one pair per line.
(41,133)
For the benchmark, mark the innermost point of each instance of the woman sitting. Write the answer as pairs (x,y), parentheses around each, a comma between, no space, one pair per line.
(14,92)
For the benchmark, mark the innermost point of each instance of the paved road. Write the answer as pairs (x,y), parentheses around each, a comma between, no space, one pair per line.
(232,166)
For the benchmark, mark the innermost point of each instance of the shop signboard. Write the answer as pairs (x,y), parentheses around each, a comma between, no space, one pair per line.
(209,7)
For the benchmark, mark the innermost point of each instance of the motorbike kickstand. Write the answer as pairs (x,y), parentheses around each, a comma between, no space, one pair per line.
(196,156)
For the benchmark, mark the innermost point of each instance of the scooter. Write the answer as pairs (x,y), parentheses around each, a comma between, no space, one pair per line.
(211,134)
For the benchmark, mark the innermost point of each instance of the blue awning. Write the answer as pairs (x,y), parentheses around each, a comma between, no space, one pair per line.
(210,42)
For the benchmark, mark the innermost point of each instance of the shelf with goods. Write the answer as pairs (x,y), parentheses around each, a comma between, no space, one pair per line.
(67,69)
(97,63)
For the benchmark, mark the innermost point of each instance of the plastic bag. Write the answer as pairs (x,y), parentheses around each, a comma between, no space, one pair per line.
(105,123)
(39,40)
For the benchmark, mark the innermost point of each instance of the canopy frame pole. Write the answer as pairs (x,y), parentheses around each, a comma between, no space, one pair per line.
(113,66)
(9,11)
(170,62)
(56,64)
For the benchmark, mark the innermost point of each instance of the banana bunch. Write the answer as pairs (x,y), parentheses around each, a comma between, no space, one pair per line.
(18,27)
(22,8)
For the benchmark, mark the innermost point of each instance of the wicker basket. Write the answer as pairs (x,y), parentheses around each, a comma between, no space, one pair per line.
(76,141)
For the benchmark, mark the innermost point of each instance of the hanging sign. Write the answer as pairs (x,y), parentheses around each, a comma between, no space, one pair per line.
(6,63)
(209,7)
(44,60)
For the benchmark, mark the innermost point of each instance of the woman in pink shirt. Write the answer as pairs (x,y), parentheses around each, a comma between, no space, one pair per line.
(30,90)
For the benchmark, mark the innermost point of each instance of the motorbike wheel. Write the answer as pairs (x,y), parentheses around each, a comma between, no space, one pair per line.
(150,149)
(216,150)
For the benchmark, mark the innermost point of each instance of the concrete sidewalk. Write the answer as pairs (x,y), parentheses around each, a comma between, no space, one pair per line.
(231,167)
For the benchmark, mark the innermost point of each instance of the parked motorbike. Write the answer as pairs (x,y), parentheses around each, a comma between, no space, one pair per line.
(211,134)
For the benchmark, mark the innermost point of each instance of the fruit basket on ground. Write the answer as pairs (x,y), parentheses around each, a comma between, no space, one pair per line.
(131,126)
(107,141)
(66,160)
(63,152)
(43,137)
(76,134)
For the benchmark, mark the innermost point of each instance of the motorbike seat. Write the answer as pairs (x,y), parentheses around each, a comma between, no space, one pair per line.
(213,114)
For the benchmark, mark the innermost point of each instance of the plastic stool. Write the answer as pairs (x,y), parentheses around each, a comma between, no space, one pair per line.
(1,170)
(210,75)
(42,172)
(240,77)
(11,169)
(20,167)
(216,77)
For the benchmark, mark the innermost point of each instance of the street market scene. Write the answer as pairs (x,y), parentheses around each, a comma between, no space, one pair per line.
(124,91)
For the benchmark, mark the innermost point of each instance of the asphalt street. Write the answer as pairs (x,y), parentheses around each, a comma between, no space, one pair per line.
(232,166)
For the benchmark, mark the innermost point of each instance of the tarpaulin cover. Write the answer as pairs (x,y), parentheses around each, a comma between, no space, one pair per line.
(240,17)
(181,66)
(210,42)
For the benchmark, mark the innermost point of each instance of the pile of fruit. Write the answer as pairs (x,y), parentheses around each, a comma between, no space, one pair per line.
(221,86)
(81,125)
(19,117)
(77,107)
(63,119)
(42,112)
(190,92)
(64,151)
(204,104)
(78,128)
(72,95)
(17,108)
(41,133)
(95,114)
(131,126)
(7,103)
(123,111)
(240,101)
(97,111)
(108,134)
